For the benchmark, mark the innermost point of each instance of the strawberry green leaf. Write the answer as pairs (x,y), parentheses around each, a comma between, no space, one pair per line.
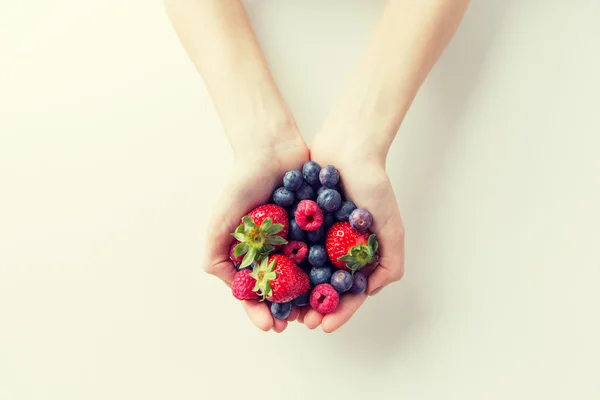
(240,228)
(249,223)
(373,243)
(266,225)
(239,236)
(273,229)
(276,240)
(240,248)
(249,257)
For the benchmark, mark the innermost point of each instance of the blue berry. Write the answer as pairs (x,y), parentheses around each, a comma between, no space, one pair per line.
(281,310)
(303,300)
(361,219)
(295,232)
(310,172)
(320,275)
(292,180)
(305,265)
(316,237)
(329,176)
(329,200)
(328,220)
(320,190)
(291,210)
(341,280)
(305,192)
(344,211)
(317,255)
(359,283)
(283,197)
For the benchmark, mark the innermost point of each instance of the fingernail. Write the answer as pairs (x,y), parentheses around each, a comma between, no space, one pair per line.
(374,292)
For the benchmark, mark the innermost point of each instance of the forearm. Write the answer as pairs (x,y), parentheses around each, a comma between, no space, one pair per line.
(218,38)
(407,41)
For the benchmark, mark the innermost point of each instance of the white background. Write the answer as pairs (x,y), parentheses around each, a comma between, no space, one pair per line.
(111,156)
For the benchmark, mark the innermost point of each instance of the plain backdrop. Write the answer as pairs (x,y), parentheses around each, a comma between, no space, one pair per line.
(112,155)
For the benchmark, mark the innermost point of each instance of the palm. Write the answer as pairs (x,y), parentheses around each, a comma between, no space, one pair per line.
(249,186)
(368,186)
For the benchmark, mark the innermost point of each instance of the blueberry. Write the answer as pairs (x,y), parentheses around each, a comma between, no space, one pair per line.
(344,211)
(292,180)
(305,265)
(303,300)
(310,172)
(305,192)
(320,190)
(283,197)
(295,232)
(341,280)
(328,220)
(281,310)
(329,200)
(329,176)
(359,283)
(317,256)
(292,209)
(316,237)
(361,219)
(320,275)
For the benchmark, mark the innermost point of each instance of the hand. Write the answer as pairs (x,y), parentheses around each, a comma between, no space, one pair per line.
(258,171)
(366,183)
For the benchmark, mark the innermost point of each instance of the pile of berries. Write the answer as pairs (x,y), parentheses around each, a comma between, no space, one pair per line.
(304,248)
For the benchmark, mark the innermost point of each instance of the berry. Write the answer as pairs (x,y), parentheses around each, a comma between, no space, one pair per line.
(279,279)
(361,219)
(292,180)
(328,220)
(305,265)
(232,257)
(243,285)
(341,280)
(262,230)
(238,267)
(320,190)
(317,256)
(320,275)
(343,213)
(308,215)
(302,301)
(329,176)
(296,233)
(316,237)
(281,310)
(329,200)
(306,192)
(359,284)
(295,251)
(350,249)
(283,197)
(310,172)
(324,298)
(291,210)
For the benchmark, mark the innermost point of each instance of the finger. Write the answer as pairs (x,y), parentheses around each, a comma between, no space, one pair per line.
(349,303)
(259,314)
(293,315)
(224,270)
(302,314)
(383,276)
(279,325)
(312,319)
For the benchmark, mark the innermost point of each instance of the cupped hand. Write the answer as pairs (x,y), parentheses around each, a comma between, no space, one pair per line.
(257,172)
(366,183)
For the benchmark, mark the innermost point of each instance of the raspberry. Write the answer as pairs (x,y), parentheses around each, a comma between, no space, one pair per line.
(295,251)
(242,286)
(308,215)
(324,298)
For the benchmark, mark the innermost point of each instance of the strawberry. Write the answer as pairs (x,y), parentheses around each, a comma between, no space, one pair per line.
(242,286)
(350,249)
(261,231)
(279,279)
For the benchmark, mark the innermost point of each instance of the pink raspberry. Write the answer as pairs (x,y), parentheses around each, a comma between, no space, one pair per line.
(295,251)
(308,215)
(243,285)
(324,298)
(232,257)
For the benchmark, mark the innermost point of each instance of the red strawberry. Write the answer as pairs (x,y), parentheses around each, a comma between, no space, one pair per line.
(242,286)
(350,249)
(261,231)
(279,279)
